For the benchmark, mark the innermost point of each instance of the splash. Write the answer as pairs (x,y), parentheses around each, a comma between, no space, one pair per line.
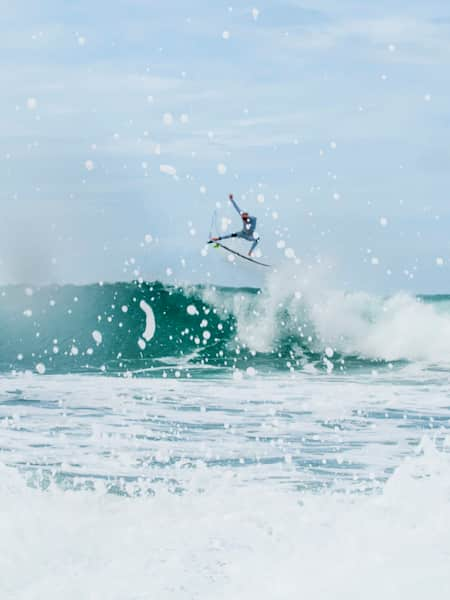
(297,305)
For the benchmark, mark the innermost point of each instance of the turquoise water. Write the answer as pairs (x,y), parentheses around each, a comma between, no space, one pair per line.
(215,442)
(102,328)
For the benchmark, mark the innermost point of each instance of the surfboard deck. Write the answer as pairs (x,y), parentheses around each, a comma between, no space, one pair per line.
(256,262)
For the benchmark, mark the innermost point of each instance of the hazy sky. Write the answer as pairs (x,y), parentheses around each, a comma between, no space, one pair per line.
(330,120)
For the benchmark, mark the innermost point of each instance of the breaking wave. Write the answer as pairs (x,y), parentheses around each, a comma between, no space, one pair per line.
(145,328)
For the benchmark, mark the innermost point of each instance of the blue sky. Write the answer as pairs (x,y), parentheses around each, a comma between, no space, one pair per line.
(330,120)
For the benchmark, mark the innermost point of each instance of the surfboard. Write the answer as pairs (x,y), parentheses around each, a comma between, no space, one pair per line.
(252,260)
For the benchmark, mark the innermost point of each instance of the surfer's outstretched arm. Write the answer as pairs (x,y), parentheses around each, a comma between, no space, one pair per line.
(236,207)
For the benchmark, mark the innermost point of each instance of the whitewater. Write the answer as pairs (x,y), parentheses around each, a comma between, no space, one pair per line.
(197,442)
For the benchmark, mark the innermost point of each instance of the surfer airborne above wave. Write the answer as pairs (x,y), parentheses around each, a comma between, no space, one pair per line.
(248,231)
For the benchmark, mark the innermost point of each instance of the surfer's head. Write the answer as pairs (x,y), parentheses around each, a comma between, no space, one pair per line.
(244,216)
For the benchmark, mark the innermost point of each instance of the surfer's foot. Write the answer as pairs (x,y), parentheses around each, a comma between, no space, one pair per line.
(214,239)
(249,254)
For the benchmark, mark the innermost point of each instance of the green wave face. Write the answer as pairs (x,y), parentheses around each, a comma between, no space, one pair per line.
(153,329)
(135,328)
(107,328)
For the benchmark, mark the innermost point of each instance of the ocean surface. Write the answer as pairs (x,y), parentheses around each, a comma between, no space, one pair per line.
(168,442)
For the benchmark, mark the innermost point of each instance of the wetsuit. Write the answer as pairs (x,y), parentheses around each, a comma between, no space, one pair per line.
(248,231)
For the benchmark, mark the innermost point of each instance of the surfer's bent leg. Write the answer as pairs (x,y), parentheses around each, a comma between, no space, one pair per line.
(255,243)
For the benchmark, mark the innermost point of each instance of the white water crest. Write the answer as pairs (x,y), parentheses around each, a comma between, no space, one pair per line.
(297,301)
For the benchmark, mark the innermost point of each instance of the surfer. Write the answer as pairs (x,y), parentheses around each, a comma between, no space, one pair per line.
(247,232)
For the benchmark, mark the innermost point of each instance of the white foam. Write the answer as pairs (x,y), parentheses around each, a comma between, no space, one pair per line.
(358,323)
(400,327)
(230,541)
